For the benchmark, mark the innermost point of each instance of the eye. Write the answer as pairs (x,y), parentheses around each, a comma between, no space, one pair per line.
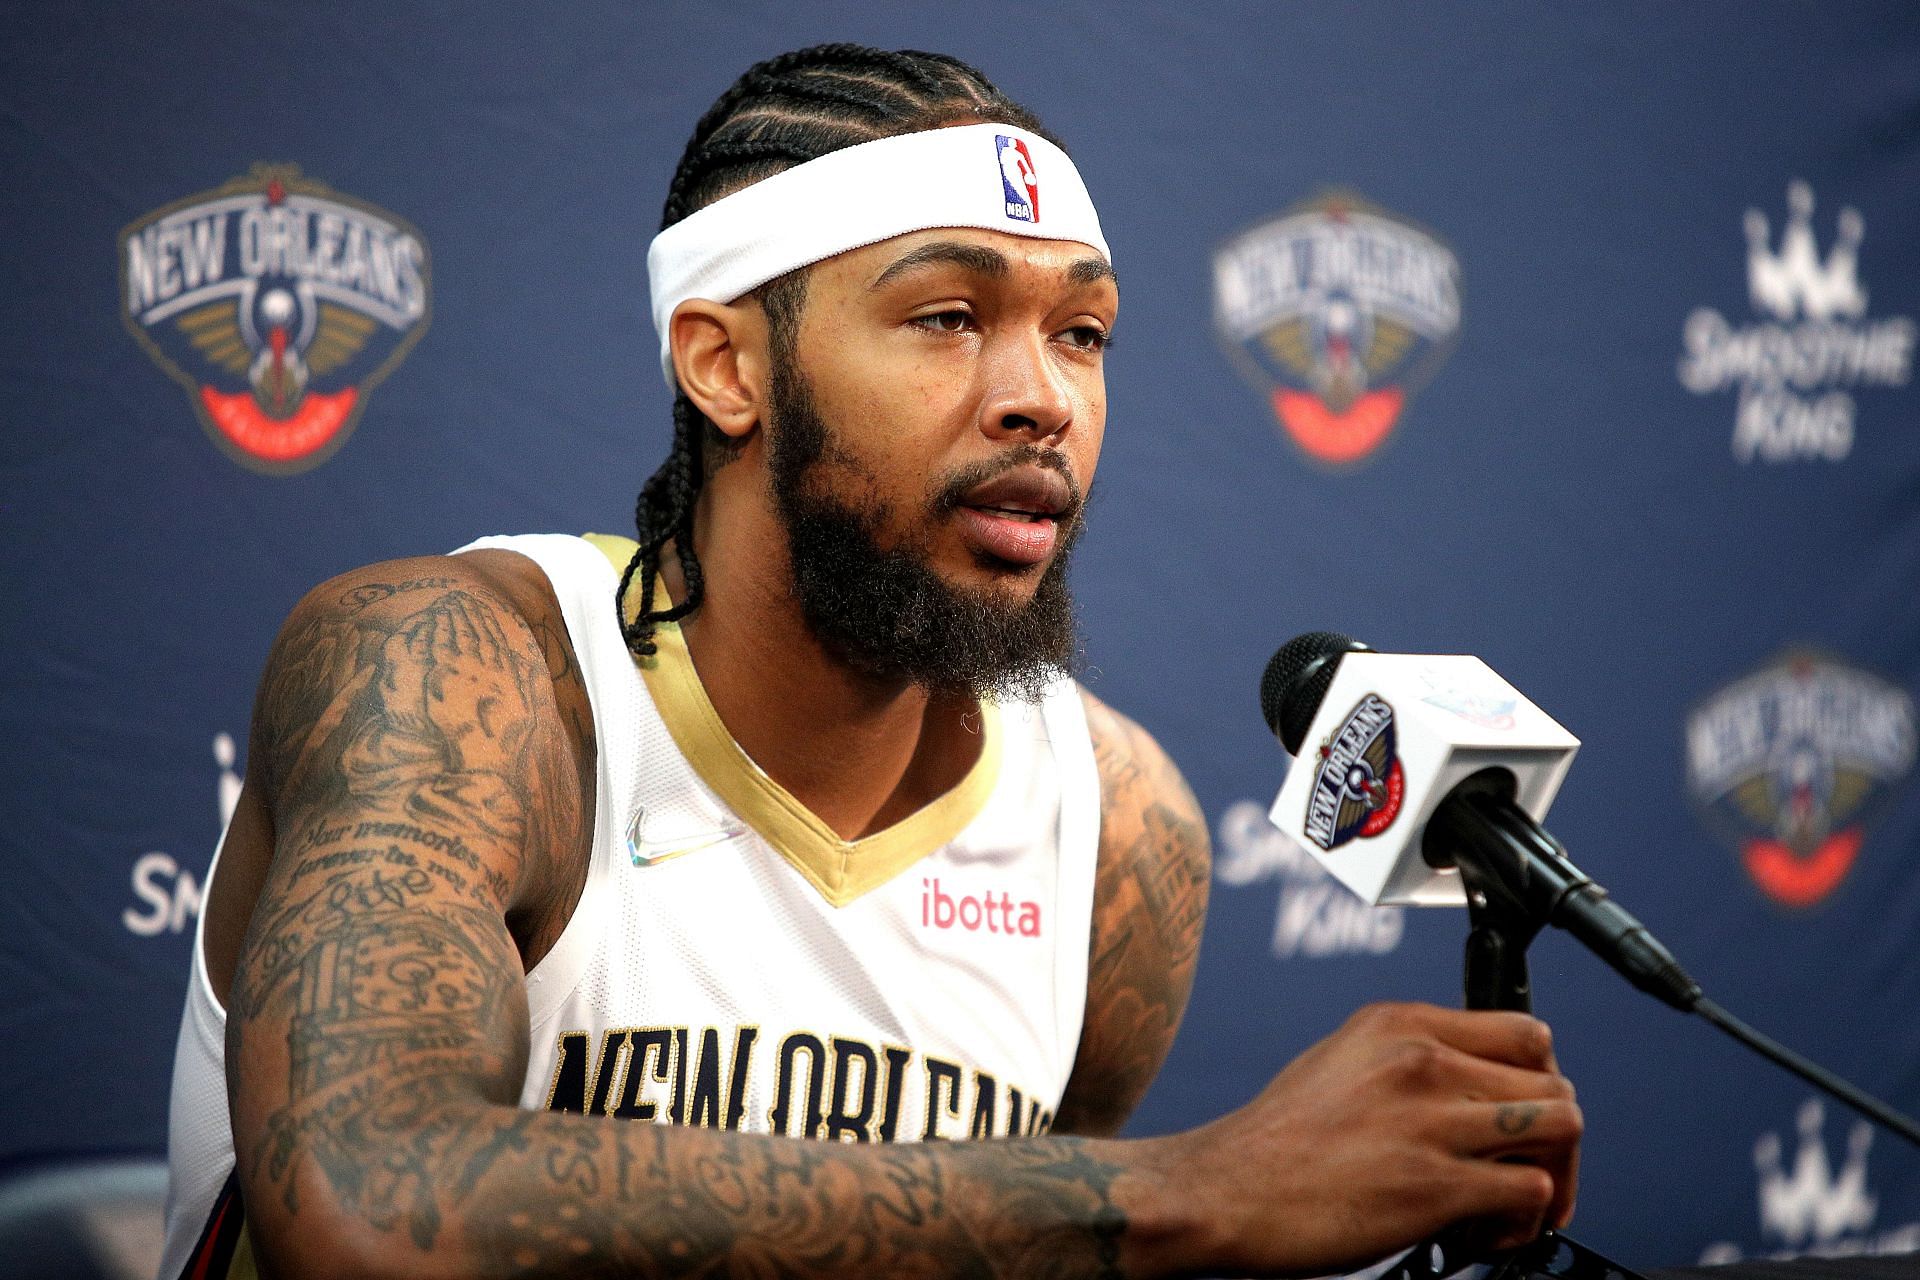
(956,320)
(1089,337)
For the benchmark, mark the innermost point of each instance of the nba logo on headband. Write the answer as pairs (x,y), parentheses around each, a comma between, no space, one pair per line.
(1017,176)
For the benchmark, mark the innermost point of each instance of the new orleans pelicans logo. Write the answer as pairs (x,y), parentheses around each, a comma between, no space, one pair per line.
(1789,762)
(1339,312)
(279,304)
(1360,785)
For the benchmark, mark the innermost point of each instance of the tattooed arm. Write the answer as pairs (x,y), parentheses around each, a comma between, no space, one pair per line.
(421,780)
(1150,900)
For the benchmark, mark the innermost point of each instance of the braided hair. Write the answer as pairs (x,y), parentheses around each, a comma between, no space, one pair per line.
(784,111)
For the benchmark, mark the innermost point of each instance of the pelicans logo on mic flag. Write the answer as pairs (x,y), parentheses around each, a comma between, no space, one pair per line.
(1339,312)
(1360,784)
(1789,763)
(279,304)
(1018,179)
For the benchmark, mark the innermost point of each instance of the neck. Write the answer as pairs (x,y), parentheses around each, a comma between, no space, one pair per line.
(860,751)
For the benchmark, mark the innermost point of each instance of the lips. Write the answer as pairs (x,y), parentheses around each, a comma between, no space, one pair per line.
(1015,516)
(1023,492)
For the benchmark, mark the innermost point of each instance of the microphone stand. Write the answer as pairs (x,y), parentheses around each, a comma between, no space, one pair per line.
(1505,859)
(1503,926)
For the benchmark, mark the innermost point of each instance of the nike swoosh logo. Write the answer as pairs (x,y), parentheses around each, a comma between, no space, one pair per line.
(650,853)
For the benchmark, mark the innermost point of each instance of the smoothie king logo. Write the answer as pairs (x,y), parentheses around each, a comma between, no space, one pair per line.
(1339,312)
(1797,363)
(1788,764)
(167,887)
(279,304)
(1812,1204)
(1314,917)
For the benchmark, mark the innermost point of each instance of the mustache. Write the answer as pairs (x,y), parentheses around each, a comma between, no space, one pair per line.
(954,488)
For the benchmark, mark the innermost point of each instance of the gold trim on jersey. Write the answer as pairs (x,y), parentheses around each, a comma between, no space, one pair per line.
(841,870)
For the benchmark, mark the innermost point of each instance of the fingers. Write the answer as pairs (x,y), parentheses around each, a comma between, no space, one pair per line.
(1495,1098)
(404,654)
(1566,1186)
(395,652)
(1506,1205)
(1439,1068)
(1535,1129)
(1517,1039)
(423,640)
(1519,1164)
(499,648)
(467,627)
(454,626)
(468,624)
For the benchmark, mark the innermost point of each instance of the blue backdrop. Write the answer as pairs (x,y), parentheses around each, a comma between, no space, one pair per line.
(1580,339)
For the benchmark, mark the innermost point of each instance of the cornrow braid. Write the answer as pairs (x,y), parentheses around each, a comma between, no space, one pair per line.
(784,111)
(851,93)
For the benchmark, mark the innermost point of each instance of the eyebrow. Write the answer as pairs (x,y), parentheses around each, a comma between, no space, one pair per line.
(971,257)
(1092,271)
(981,260)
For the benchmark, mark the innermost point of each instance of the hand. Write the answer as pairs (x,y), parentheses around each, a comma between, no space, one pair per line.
(449,686)
(472,681)
(1406,1120)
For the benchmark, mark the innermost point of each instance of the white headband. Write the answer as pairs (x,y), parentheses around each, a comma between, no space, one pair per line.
(992,176)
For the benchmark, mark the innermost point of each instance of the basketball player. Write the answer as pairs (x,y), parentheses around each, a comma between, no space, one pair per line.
(761,897)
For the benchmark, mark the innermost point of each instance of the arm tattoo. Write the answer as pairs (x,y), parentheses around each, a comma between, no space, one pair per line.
(1150,902)
(411,741)
(649,1200)
(418,779)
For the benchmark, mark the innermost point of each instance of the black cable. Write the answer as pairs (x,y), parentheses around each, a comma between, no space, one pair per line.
(1812,1072)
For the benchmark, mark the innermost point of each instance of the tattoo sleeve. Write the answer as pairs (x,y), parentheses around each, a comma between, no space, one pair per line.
(1150,902)
(421,785)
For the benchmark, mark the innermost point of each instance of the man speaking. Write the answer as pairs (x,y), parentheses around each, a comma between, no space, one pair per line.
(763,896)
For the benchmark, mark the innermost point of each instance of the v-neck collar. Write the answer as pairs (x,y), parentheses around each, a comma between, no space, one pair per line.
(841,870)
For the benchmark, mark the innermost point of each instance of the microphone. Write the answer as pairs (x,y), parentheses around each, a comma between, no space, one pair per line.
(1422,762)
(1419,760)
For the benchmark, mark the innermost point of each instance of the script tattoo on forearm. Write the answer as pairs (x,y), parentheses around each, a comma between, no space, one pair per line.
(418,774)
(1150,902)
(701,1202)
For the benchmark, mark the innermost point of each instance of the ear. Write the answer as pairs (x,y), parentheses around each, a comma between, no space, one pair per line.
(720,356)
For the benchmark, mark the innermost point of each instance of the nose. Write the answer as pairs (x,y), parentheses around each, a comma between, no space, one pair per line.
(1027,395)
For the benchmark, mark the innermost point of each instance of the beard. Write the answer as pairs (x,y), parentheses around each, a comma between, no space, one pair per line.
(885,611)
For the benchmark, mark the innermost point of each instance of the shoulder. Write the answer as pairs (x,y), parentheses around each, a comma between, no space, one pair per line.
(1150,902)
(500,592)
(426,667)
(362,619)
(1142,791)
(389,591)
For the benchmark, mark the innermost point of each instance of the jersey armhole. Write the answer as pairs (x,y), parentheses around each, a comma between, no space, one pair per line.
(1079,777)
(578,569)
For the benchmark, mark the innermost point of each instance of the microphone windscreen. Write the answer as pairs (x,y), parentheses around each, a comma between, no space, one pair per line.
(1296,681)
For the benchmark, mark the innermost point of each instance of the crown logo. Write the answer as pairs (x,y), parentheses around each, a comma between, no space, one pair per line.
(1812,1201)
(1795,280)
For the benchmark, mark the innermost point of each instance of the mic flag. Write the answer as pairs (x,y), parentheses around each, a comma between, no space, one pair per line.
(1394,734)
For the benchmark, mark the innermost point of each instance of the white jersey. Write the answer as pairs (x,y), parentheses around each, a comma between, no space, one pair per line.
(734,963)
